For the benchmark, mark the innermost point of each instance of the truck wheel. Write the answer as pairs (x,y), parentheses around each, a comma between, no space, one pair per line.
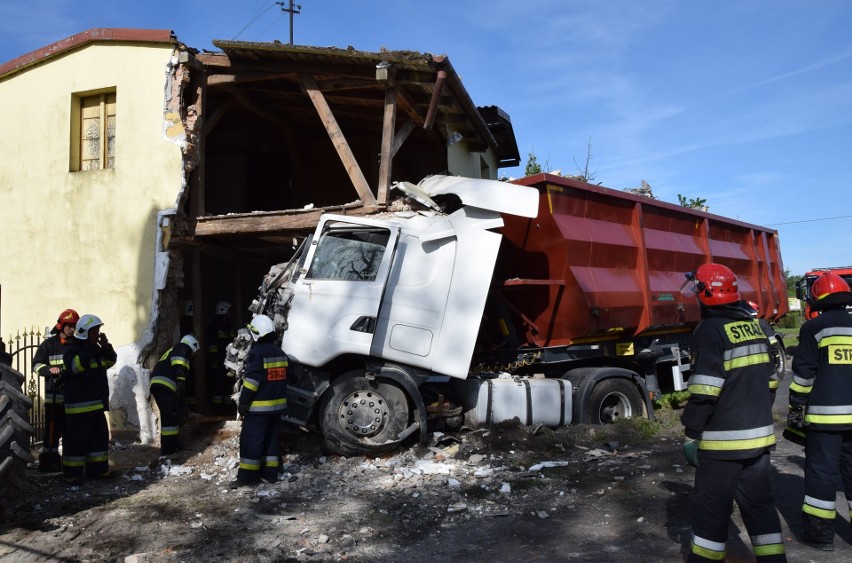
(780,357)
(613,399)
(359,416)
(15,434)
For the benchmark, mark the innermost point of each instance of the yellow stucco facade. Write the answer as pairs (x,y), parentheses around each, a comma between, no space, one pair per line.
(85,239)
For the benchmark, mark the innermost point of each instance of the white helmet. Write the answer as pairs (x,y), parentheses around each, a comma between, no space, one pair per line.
(85,324)
(190,341)
(222,307)
(260,326)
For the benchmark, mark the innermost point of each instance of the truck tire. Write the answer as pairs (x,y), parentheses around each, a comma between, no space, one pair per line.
(360,416)
(613,399)
(15,434)
(780,358)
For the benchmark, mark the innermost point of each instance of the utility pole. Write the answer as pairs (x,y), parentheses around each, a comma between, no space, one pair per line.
(293,9)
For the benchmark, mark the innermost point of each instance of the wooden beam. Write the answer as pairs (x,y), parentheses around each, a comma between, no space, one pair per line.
(278,222)
(339,141)
(388,128)
(401,135)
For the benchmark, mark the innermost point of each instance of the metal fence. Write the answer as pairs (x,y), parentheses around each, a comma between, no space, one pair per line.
(22,347)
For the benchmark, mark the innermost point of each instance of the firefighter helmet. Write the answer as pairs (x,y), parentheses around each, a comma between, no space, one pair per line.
(222,307)
(828,283)
(715,285)
(190,341)
(67,317)
(260,326)
(85,324)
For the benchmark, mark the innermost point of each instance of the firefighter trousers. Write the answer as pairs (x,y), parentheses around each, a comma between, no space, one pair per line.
(169,404)
(828,455)
(54,421)
(718,483)
(86,445)
(260,448)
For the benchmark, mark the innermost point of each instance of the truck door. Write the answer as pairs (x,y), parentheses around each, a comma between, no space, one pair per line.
(337,295)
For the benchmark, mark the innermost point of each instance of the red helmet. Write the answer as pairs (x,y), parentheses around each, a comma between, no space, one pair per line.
(716,285)
(67,317)
(827,284)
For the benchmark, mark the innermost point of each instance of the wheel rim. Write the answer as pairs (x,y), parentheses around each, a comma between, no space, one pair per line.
(363,413)
(615,406)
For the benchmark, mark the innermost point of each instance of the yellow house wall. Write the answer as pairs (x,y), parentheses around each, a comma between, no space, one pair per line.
(84,240)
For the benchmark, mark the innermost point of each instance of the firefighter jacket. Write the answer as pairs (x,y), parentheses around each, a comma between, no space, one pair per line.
(219,335)
(173,367)
(822,371)
(86,384)
(265,381)
(729,409)
(49,354)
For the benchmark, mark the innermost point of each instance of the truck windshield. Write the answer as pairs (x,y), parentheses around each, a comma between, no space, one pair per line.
(349,254)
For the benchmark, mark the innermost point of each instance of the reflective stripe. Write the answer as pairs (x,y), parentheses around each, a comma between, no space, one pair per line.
(748,439)
(38,366)
(169,430)
(764,539)
(707,548)
(742,351)
(75,461)
(268,406)
(271,461)
(250,464)
(768,549)
(773,384)
(279,362)
(77,365)
(705,385)
(179,361)
(834,414)
(251,384)
(78,408)
(824,509)
(97,456)
(57,399)
(750,360)
(164,381)
(832,331)
(55,360)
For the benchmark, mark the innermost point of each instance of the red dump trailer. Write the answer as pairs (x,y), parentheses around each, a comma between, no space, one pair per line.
(547,300)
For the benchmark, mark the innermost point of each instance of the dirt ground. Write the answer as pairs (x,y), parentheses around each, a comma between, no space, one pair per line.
(507,493)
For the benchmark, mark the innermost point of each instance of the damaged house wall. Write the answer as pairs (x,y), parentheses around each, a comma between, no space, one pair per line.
(87,239)
(222,162)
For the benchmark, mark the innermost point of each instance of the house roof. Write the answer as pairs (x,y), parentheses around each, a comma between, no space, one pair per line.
(428,87)
(94,35)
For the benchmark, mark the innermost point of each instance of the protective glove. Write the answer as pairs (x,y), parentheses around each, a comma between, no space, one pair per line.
(690,451)
(242,409)
(795,431)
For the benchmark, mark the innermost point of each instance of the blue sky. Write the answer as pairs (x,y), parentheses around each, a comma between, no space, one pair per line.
(745,104)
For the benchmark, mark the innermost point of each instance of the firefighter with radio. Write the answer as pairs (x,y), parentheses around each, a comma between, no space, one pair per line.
(728,421)
(168,387)
(820,409)
(263,399)
(47,363)
(86,441)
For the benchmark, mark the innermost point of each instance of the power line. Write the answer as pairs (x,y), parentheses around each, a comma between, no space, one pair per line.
(256,16)
(809,220)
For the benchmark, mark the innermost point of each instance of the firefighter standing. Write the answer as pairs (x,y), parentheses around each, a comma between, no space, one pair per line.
(86,441)
(728,422)
(263,400)
(821,398)
(47,363)
(168,385)
(220,333)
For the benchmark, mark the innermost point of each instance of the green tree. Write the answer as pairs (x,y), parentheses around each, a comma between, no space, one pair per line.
(791,282)
(693,203)
(533,167)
